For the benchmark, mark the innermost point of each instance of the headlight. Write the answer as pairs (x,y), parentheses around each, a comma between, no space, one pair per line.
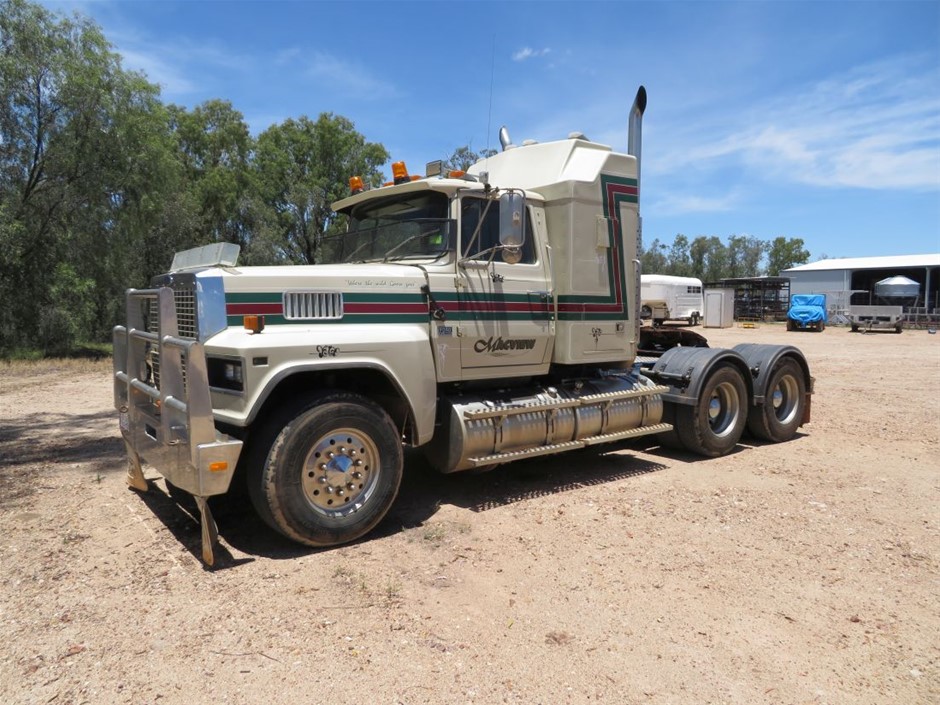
(226,374)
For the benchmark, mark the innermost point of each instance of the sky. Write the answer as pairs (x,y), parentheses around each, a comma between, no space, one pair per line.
(813,120)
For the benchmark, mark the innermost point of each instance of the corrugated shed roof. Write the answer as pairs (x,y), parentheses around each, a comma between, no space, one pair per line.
(855,263)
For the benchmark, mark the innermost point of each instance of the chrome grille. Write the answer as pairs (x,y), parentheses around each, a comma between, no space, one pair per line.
(313,305)
(184,298)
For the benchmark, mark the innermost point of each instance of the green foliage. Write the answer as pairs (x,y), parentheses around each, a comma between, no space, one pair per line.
(86,162)
(100,182)
(302,167)
(463,158)
(709,259)
(783,253)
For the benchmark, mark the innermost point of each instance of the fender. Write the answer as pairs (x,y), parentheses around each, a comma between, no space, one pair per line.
(684,370)
(404,361)
(761,360)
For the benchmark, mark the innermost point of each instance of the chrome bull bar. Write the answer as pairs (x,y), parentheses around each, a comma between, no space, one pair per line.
(170,424)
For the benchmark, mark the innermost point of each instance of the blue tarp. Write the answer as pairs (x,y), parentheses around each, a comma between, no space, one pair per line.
(808,308)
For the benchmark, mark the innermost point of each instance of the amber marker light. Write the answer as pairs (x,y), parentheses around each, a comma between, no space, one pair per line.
(456,174)
(400,172)
(218,467)
(254,324)
(355,184)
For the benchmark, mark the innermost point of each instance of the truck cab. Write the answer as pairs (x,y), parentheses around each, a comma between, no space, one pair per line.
(484,317)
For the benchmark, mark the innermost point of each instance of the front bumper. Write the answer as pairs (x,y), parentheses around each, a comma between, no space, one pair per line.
(169,424)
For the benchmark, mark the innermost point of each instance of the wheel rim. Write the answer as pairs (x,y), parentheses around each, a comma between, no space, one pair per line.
(724,407)
(340,472)
(785,399)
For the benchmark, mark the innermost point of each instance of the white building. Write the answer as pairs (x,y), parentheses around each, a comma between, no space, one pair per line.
(852,280)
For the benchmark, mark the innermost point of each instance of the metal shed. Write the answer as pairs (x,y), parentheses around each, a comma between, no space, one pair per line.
(852,281)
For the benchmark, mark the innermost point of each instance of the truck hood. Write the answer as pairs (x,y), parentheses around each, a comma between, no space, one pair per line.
(317,294)
(325,277)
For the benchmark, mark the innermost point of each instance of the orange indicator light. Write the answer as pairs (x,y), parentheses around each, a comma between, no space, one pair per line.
(400,172)
(254,323)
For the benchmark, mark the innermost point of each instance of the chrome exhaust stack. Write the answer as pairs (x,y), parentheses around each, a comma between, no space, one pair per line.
(635,129)
(635,148)
(504,140)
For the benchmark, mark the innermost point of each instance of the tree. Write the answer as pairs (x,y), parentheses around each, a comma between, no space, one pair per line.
(216,149)
(744,254)
(783,253)
(463,158)
(302,167)
(709,258)
(84,161)
(680,262)
(653,259)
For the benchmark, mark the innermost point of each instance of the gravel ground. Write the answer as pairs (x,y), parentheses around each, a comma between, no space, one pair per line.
(804,572)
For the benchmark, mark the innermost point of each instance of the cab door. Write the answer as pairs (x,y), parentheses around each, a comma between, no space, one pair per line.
(505,302)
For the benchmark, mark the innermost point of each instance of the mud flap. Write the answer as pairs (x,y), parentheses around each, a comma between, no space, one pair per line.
(135,474)
(210,533)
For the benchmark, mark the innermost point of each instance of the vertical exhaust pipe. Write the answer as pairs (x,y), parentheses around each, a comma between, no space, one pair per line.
(504,140)
(635,148)
(635,129)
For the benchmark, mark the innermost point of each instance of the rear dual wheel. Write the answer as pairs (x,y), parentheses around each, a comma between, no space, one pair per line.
(714,424)
(778,419)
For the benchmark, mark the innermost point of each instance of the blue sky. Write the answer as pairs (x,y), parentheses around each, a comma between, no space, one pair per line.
(818,120)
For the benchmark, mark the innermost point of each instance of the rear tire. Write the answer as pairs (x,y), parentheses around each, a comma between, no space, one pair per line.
(714,424)
(778,419)
(332,472)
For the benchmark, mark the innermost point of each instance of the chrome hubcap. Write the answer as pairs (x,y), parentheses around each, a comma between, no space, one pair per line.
(340,472)
(785,400)
(723,409)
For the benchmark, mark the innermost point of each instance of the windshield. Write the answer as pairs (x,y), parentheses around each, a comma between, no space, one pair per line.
(407,226)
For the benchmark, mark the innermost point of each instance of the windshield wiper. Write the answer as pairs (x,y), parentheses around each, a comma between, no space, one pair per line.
(357,250)
(411,239)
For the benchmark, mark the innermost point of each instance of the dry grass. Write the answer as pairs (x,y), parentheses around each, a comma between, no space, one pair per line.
(30,373)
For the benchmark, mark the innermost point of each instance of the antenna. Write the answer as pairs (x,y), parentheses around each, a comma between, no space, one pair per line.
(489,115)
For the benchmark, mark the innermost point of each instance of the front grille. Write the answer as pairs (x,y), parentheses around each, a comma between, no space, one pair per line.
(184,298)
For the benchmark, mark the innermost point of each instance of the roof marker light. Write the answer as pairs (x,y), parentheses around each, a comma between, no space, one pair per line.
(400,172)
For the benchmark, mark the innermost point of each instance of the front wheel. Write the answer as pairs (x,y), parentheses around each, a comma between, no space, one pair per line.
(714,424)
(784,404)
(331,473)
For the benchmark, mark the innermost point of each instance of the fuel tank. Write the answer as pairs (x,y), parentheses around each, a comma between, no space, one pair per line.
(476,430)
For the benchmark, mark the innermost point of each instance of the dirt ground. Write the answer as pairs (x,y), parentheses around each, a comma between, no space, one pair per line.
(805,572)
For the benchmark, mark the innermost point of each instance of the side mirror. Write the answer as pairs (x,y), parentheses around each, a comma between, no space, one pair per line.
(512,219)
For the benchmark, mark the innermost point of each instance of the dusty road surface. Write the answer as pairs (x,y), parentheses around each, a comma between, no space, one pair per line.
(805,572)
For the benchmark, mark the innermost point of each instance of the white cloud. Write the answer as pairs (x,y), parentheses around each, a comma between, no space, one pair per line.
(346,78)
(682,204)
(171,79)
(180,67)
(530,53)
(877,126)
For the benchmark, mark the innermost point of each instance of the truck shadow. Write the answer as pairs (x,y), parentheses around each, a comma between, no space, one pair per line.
(423,492)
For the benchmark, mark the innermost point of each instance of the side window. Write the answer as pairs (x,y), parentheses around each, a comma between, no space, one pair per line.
(479,245)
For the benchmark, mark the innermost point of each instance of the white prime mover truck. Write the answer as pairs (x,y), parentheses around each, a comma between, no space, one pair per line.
(485,317)
(668,298)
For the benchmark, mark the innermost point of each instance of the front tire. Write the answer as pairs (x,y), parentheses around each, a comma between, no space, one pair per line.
(714,424)
(784,404)
(332,472)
